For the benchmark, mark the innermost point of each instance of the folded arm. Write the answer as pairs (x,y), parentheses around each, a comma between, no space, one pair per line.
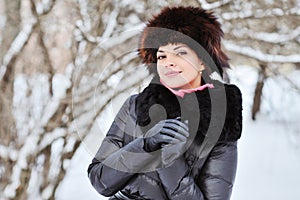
(117,159)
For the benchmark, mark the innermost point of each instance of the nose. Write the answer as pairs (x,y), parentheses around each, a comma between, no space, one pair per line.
(170,62)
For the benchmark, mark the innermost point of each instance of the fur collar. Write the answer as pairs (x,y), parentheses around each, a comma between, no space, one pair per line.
(156,103)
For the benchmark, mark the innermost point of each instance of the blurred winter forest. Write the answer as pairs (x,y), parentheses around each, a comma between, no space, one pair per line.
(62,62)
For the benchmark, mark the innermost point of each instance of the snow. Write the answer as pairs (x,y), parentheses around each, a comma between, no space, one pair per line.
(119,39)
(77,186)
(35,179)
(274,38)
(51,137)
(269,163)
(56,149)
(259,55)
(112,22)
(86,23)
(270,2)
(3,19)
(16,45)
(60,84)
(209,6)
(21,163)
(47,192)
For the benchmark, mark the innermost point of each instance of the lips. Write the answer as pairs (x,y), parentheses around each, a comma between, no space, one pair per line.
(172,73)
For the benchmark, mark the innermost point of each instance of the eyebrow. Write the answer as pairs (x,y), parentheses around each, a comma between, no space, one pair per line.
(178,47)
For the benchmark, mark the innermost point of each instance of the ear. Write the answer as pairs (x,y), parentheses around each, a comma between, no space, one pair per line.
(202,66)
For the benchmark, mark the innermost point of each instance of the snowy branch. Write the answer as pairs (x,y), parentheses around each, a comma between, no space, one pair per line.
(127,85)
(16,46)
(80,33)
(214,5)
(111,24)
(274,38)
(44,7)
(83,4)
(84,25)
(29,147)
(256,54)
(119,39)
(258,13)
(2,19)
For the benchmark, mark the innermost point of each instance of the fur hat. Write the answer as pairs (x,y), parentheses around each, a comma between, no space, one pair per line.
(195,27)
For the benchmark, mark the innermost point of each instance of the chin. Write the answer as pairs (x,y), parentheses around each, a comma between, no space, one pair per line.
(175,85)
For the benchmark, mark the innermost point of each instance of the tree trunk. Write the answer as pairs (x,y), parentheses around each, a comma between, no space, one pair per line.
(258,91)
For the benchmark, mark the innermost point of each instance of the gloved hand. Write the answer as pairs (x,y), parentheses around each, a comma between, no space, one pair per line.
(169,131)
(176,147)
(172,151)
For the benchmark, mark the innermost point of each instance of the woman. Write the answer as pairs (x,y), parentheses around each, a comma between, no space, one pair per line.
(177,139)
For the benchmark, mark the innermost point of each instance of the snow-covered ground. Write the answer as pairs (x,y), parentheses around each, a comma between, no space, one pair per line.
(268,164)
(269,149)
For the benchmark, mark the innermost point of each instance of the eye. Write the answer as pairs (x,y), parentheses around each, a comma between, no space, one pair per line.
(160,57)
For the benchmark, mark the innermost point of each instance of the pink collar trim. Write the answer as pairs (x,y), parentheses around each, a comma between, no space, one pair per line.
(182,92)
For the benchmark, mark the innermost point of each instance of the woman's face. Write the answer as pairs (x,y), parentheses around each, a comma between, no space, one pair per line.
(179,66)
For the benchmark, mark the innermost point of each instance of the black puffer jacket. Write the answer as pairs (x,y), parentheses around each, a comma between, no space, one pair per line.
(205,171)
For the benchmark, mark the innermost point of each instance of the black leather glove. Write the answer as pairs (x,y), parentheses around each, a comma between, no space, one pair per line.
(169,131)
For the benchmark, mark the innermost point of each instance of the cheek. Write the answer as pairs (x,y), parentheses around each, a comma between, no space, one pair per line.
(191,71)
(159,70)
